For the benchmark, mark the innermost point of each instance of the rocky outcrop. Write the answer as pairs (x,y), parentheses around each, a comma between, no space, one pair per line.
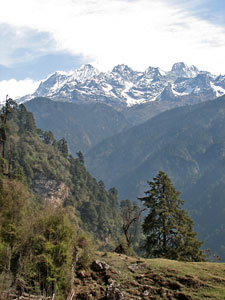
(99,266)
(114,292)
(50,190)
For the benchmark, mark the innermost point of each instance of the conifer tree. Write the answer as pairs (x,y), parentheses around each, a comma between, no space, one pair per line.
(168,228)
(80,157)
(63,147)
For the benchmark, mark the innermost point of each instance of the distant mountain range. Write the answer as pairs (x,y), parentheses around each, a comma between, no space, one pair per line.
(188,143)
(124,87)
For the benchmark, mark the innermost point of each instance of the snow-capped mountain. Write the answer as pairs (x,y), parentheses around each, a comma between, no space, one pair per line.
(180,69)
(124,87)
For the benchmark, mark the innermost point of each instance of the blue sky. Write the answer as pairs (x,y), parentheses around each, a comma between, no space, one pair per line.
(39,37)
(211,10)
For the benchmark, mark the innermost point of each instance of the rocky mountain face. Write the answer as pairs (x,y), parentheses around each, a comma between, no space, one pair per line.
(50,190)
(124,87)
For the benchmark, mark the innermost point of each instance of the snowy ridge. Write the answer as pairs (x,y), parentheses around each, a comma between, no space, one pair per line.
(180,69)
(124,87)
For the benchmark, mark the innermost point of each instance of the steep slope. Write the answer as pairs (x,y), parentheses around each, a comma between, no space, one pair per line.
(188,144)
(45,165)
(50,210)
(83,126)
(140,113)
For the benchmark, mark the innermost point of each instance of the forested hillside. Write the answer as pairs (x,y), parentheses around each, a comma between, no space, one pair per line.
(50,207)
(45,163)
(187,143)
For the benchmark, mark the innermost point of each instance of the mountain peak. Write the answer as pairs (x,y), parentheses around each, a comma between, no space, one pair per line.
(85,72)
(86,67)
(154,73)
(121,69)
(180,69)
(178,66)
(124,86)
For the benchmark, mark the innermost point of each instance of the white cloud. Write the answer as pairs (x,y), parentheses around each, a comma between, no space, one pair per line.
(17,88)
(108,32)
(22,44)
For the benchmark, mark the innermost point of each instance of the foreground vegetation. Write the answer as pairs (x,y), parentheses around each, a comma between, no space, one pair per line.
(50,205)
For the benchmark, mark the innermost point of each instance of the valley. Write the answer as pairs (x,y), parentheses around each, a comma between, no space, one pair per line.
(126,147)
(83,159)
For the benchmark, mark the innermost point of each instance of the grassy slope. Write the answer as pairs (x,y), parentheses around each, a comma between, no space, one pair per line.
(152,279)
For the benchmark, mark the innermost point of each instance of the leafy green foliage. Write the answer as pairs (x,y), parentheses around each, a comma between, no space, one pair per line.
(36,242)
(50,244)
(14,206)
(167,227)
(84,250)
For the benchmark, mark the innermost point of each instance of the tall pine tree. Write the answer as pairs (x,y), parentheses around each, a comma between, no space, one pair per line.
(168,228)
